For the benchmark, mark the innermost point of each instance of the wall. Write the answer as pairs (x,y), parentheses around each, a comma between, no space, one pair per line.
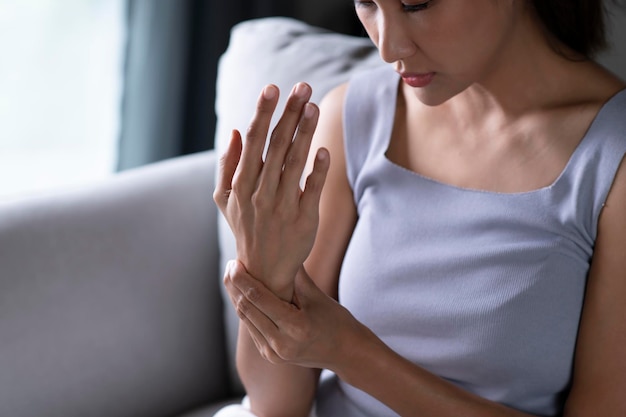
(337,15)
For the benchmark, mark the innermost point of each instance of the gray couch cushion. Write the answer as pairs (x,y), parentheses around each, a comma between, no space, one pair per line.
(281,51)
(109,298)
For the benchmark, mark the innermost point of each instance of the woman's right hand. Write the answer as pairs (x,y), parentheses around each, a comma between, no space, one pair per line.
(274,221)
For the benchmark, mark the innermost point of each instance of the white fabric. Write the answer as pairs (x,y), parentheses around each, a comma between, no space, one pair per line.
(235,410)
(243,410)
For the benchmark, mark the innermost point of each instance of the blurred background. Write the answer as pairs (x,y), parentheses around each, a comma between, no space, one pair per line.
(92,87)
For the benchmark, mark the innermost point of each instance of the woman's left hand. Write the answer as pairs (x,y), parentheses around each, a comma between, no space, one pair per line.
(273,220)
(312,331)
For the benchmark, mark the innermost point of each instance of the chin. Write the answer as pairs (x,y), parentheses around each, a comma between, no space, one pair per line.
(434,95)
(432,100)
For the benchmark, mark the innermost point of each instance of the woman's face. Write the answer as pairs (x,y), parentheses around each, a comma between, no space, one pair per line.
(440,47)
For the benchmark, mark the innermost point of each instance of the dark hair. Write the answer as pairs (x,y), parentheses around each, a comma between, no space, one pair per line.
(578,24)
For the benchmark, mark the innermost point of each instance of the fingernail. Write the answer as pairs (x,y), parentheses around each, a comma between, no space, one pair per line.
(269,92)
(300,90)
(309,110)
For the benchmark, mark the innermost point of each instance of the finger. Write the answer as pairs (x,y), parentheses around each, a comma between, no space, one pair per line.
(282,136)
(289,188)
(262,345)
(310,200)
(262,329)
(232,291)
(258,294)
(242,308)
(228,165)
(305,290)
(251,164)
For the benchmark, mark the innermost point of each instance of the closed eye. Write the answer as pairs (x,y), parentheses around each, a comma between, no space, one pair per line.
(409,8)
(412,8)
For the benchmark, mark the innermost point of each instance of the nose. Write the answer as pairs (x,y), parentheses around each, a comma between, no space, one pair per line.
(393,39)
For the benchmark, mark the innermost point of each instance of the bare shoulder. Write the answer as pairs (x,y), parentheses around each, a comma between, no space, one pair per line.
(331,107)
(611,240)
(336,96)
(605,85)
(600,364)
(329,132)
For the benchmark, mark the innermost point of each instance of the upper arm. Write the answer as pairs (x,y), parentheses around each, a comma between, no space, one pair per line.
(337,209)
(599,382)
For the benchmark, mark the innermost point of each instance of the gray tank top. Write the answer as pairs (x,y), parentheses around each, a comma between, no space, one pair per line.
(481,288)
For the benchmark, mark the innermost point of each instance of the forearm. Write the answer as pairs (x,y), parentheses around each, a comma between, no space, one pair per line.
(274,390)
(411,390)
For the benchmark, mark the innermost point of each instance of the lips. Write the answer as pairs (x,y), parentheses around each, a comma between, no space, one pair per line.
(418,80)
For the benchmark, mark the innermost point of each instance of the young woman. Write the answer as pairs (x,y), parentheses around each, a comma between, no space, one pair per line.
(465,204)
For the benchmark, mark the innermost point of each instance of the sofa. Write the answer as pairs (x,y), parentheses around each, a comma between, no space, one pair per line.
(111,303)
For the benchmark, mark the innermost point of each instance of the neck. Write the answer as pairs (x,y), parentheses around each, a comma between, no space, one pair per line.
(526,76)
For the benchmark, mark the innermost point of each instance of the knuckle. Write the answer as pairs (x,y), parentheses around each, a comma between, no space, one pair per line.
(293,160)
(242,306)
(218,197)
(251,131)
(221,196)
(237,184)
(252,294)
(260,201)
(254,133)
(277,138)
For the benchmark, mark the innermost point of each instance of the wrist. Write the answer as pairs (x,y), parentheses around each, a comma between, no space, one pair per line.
(281,284)
(282,291)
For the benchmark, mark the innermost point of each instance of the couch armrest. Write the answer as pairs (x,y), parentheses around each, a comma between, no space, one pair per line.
(109,296)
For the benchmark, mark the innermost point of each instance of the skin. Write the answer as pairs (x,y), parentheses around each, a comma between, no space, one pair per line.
(496,77)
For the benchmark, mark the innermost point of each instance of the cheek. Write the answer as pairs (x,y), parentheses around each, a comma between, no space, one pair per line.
(461,47)
(487,35)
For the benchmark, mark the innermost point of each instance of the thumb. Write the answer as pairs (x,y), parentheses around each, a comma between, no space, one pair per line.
(305,288)
(227,166)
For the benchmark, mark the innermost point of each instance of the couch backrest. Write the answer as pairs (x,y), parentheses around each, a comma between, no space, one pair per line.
(109,297)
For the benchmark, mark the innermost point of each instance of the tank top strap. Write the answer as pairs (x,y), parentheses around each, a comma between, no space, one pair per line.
(369,110)
(593,166)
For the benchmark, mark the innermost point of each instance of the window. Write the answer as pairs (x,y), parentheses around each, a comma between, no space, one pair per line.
(61,69)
